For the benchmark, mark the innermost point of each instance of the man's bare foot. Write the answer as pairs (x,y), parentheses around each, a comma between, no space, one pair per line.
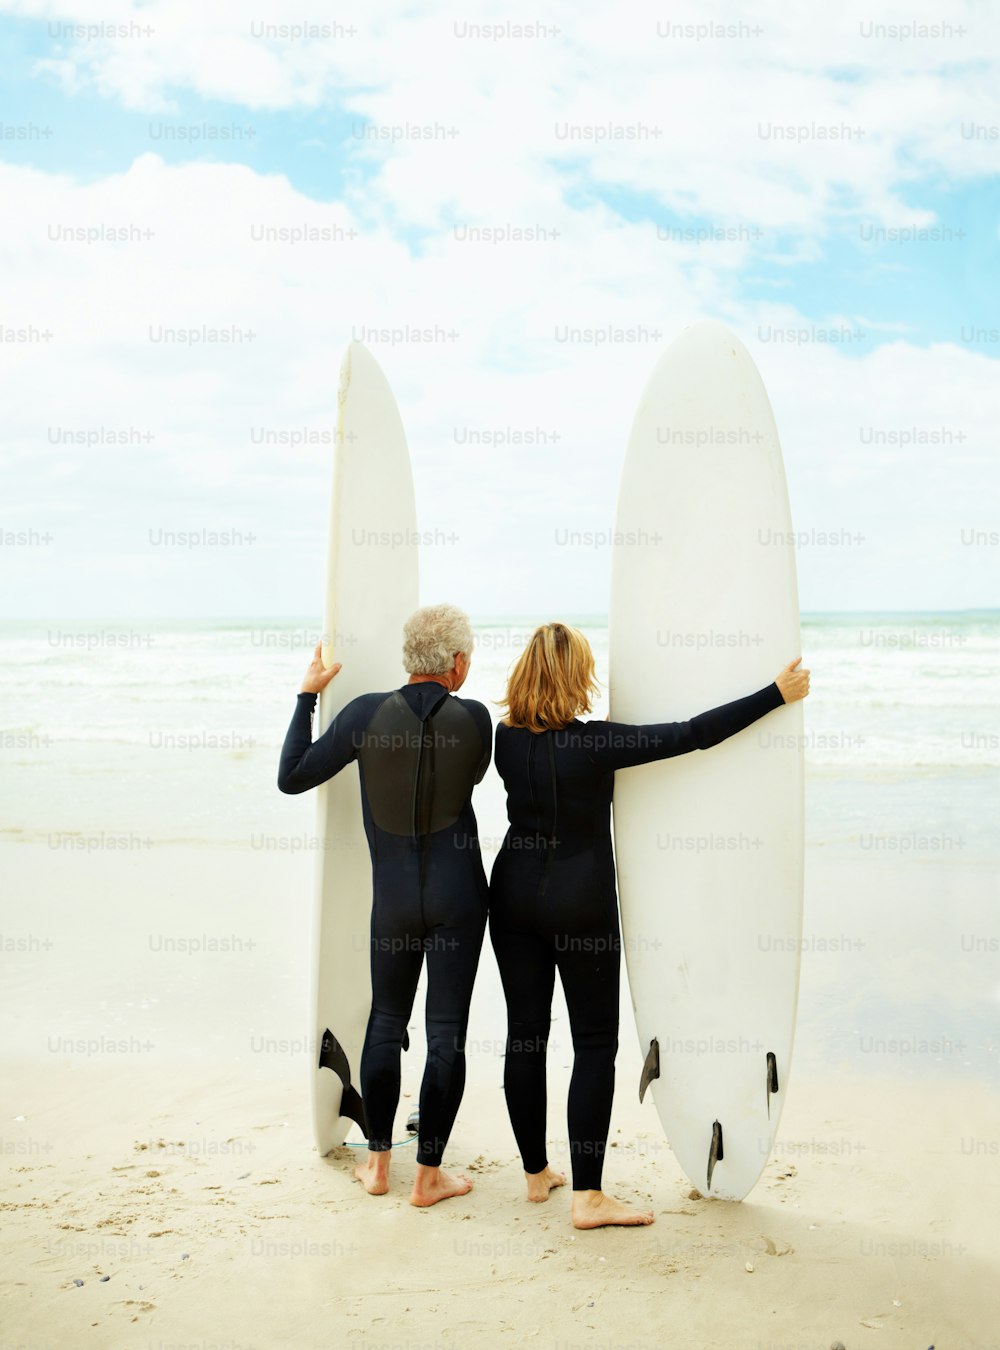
(373,1173)
(594,1209)
(540,1183)
(431,1184)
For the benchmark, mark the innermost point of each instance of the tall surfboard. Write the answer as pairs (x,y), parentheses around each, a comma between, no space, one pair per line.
(371,589)
(709,845)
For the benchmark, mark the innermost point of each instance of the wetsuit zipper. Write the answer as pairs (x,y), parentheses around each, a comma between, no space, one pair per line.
(550,842)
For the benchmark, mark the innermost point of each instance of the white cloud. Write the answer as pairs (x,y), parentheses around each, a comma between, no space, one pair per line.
(506,370)
(716,101)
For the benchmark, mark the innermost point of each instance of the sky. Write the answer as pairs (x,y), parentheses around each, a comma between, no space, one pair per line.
(516,212)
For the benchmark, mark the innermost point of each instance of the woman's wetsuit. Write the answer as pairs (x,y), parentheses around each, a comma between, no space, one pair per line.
(553,905)
(420,751)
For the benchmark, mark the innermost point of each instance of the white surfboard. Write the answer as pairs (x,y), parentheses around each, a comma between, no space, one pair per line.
(709,845)
(371,590)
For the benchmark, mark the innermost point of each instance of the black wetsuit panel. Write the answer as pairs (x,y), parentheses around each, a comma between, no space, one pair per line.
(418,770)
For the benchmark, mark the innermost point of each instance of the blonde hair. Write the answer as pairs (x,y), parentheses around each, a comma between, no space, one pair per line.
(552,681)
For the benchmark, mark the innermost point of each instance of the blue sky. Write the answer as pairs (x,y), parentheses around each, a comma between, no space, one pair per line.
(890,434)
(94,135)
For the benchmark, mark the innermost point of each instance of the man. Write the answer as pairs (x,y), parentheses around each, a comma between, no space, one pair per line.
(420,751)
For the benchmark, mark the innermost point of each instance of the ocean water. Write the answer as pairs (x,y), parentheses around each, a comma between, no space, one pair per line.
(902,725)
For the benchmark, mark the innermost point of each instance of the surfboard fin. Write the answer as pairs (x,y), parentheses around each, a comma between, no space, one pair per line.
(332,1056)
(651,1068)
(413,1122)
(353,1108)
(715,1153)
(772,1078)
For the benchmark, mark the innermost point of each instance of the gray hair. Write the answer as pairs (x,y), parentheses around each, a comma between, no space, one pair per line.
(432,636)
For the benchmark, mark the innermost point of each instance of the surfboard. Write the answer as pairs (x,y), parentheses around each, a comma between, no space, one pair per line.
(709,845)
(371,589)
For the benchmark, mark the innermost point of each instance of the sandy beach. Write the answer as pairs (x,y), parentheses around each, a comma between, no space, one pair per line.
(136,1154)
(203,1201)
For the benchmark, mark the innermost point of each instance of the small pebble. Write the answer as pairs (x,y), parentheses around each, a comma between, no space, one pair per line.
(184,1256)
(105,1278)
(78,1283)
(837,1345)
(242,1176)
(749,1267)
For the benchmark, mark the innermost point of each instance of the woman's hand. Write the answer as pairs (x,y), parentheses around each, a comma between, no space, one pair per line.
(793,684)
(317,676)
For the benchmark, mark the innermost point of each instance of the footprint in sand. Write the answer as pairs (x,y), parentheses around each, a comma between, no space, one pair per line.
(140,1304)
(480,1164)
(771,1248)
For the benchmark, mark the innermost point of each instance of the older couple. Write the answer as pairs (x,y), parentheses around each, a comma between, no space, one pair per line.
(421,749)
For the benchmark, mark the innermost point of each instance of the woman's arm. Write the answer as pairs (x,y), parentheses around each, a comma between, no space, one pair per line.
(619,745)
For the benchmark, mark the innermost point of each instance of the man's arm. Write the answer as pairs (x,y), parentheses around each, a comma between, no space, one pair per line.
(482,718)
(306,763)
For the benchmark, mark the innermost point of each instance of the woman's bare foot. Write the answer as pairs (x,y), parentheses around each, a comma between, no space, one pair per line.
(540,1183)
(431,1184)
(594,1209)
(374,1173)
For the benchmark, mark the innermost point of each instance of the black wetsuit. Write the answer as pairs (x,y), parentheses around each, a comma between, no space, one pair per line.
(553,904)
(420,751)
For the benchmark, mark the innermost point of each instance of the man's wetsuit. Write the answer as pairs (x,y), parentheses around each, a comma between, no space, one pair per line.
(419,751)
(553,904)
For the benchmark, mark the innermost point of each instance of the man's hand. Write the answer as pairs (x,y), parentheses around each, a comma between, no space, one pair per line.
(793,684)
(317,677)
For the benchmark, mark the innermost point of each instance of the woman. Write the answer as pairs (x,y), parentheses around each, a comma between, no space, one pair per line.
(553,902)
